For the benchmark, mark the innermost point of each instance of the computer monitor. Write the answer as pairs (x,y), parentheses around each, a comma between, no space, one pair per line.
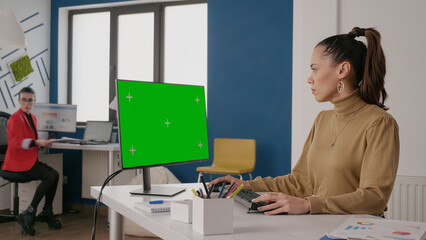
(160,124)
(55,117)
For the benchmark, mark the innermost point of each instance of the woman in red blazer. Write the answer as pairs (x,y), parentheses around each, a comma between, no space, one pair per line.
(21,156)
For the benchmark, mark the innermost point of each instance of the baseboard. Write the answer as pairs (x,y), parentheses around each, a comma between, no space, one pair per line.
(84,208)
(4,211)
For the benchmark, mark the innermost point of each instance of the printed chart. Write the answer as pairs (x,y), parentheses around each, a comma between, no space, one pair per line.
(377,228)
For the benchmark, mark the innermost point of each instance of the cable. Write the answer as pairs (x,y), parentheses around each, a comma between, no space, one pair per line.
(95,214)
(4,184)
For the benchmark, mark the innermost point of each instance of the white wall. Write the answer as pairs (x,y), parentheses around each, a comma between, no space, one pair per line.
(401,25)
(37,28)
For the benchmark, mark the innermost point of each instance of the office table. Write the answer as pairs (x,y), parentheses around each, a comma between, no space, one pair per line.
(110,148)
(246,226)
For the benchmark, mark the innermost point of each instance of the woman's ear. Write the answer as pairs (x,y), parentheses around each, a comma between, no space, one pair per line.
(344,69)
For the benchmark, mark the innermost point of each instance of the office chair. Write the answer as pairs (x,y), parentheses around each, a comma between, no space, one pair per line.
(12,177)
(232,156)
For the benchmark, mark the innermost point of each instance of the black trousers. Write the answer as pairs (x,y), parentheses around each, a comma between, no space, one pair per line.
(49,181)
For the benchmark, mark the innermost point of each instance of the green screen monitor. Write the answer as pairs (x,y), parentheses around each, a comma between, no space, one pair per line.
(160,124)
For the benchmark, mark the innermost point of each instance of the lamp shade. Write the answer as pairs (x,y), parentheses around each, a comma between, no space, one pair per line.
(11,34)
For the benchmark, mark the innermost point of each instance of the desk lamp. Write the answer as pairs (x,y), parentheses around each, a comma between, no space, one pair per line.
(11,34)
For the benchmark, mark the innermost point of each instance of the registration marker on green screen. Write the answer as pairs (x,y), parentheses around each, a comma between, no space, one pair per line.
(161,124)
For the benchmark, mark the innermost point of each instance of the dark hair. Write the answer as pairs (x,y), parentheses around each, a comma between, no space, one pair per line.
(26,90)
(368,62)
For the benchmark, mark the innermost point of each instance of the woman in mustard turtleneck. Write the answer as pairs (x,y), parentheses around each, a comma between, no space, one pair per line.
(350,158)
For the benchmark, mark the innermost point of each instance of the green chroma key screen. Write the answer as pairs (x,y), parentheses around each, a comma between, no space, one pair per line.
(161,124)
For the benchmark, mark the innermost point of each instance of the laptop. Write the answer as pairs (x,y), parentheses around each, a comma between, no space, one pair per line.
(96,133)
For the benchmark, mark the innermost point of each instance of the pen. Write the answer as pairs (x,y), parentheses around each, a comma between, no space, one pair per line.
(228,189)
(204,183)
(163,201)
(236,190)
(210,190)
(221,189)
(231,190)
(201,193)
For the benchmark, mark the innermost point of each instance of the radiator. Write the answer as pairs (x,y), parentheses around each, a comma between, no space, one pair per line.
(408,199)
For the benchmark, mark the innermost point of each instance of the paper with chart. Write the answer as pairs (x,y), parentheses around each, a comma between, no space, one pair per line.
(378,228)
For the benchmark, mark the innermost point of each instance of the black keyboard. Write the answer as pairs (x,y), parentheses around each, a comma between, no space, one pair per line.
(245,196)
(93,142)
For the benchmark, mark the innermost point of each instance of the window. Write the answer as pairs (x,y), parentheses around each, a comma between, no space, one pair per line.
(90,65)
(151,42)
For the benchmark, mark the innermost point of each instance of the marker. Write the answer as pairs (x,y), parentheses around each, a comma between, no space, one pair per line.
(237,190)
(204,184)
(221,189)
(163,201)
(228,190)
(195,193)
(231,190)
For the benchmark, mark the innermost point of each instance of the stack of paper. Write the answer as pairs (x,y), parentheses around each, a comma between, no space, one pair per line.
(378,228)
(146,206)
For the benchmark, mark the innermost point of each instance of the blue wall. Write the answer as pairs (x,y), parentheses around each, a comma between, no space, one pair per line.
(249,79)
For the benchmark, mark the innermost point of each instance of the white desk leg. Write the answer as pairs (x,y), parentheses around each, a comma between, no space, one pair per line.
(110,165)
(110,171)
(116,226)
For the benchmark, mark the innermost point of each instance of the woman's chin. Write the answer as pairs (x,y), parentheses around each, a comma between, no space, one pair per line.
(319,99)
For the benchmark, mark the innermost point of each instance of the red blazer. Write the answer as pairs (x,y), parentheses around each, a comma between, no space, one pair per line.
(20,156)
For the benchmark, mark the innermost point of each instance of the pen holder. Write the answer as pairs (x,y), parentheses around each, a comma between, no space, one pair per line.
(213,216)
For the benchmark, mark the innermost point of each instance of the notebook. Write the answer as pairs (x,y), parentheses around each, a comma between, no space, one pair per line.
(96,132)
(147,207)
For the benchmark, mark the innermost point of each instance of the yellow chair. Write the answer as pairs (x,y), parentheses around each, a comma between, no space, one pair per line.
(232,156)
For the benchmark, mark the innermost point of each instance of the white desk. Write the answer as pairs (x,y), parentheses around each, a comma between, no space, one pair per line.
(110,148)
(246,226)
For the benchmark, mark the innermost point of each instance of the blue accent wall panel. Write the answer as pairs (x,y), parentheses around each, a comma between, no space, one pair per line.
(249,80)
(250,63)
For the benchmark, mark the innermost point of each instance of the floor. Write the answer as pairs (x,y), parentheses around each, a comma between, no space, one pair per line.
(77,225)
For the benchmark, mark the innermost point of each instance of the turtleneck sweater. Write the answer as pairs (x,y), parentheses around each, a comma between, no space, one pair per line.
(353,176)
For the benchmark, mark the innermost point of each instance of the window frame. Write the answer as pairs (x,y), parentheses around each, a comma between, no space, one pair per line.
(159,33)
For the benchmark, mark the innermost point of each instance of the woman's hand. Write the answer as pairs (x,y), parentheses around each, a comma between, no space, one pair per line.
(280,202)
(230,179)
(43,143)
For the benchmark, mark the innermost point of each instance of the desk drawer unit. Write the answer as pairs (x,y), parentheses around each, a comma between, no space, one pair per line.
(95,171)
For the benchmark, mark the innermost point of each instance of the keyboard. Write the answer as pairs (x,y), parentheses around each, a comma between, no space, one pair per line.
(245,196)
(93,142)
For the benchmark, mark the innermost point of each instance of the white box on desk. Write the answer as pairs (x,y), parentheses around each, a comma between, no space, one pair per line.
(182,211)
(213,216)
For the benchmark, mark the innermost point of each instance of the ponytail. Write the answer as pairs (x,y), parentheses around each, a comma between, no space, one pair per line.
(369,62)
(372,88)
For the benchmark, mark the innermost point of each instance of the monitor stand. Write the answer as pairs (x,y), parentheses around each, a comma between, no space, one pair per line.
(147,189)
